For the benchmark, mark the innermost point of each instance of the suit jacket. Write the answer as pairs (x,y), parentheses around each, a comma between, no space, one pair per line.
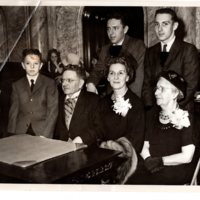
(183,58)
(82,121)
(136,48)
(38,108)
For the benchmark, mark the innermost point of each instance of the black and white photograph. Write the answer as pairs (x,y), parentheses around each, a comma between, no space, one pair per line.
(100,96)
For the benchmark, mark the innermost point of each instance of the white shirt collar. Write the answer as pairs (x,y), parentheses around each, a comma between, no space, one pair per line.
(32,78)
(169,44)
(74,96)
(119,43)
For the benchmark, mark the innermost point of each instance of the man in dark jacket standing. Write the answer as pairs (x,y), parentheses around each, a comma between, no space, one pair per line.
(170,53)
(119,42)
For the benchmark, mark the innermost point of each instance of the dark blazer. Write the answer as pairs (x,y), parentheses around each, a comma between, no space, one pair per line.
(136,48)
(183,58)
(38,108)
(82,121)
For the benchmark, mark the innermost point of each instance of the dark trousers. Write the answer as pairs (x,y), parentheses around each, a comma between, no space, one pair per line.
(30,131)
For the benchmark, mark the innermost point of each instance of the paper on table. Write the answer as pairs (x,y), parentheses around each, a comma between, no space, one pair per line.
(26,150)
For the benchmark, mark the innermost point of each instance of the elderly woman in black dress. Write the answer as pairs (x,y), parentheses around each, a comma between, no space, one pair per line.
(169,143)
(121,114)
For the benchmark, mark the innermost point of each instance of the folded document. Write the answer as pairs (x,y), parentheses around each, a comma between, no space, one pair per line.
(26,150)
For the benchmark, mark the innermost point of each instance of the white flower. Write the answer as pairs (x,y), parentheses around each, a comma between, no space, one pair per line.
(121,106)
(179,118)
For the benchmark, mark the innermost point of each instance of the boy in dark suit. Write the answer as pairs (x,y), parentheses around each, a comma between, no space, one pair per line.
(76,108)
(34,100)
(171,53)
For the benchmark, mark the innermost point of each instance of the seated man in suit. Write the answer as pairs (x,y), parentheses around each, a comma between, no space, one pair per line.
(76,108)
(34,100)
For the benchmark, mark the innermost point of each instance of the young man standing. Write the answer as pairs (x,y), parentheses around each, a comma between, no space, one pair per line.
(119,42)
(34,100)
(170,53)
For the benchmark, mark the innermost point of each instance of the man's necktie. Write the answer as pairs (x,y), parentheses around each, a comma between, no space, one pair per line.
(164,55)
(164,48)
(69,106)
(115,50)
(32,84)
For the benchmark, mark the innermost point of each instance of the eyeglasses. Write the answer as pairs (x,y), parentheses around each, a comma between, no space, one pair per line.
(52,56)
(161,89)
(67,80)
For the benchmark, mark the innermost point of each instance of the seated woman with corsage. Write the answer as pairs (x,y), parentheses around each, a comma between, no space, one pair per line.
(121,115)
(169,146)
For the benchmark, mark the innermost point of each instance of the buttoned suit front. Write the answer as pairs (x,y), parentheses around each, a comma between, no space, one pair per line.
(82,121)
(38,108)
(183,58)
(133,46)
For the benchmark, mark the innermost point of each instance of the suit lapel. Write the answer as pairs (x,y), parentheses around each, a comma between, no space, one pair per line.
(38,83)
(125,43)
(172,54)
(62,110)
(25,85)
(157,60)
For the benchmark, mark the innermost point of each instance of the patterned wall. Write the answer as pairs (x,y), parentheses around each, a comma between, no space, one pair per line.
(190,17)
(68,30)
(13,24)
(49,27)
(61,28)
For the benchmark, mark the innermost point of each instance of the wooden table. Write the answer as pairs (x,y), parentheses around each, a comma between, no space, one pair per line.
(89,165)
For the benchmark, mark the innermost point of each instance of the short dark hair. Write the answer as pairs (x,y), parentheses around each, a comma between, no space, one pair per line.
(53,51)
(119,16)
(76,68)
(31,52)
(125,59)
(167,11)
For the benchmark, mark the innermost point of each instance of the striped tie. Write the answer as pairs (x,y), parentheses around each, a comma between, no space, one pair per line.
(69,106)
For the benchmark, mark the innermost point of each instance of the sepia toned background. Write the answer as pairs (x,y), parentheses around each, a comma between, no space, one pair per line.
(61,27)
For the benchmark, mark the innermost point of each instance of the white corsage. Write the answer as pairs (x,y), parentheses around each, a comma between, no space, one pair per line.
(178,118)
(121,106)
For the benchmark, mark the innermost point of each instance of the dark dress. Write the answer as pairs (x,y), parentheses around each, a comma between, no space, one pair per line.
(112,126)
(165,140)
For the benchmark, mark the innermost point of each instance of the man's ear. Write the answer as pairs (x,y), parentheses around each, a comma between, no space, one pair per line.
(175,25)
(175,95)
(23,66)
(81,83)
(126,29)
(41,65)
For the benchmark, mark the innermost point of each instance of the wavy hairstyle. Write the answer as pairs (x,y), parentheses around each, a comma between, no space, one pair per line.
(125,59)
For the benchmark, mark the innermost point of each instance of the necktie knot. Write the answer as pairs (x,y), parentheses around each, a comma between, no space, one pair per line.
(165,48)
(70,100)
